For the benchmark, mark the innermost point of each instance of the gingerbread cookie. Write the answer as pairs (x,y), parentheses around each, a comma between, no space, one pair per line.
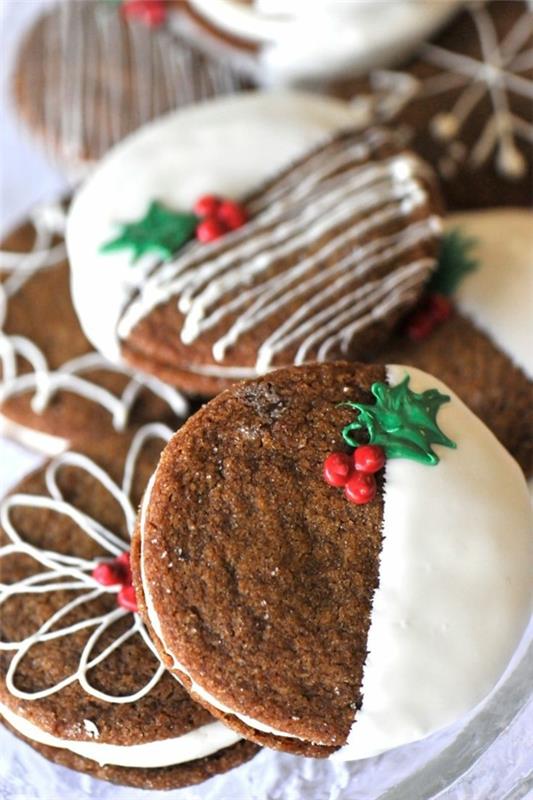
(297,43)
(54,387)
(336,558)
(318,262)
(89,73)
(481,347)
(80,680)
(464,103)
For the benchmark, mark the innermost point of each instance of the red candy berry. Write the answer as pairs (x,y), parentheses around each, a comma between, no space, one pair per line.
(233,214)
(420,326)
(337,469)
(210,229)
(207,205)
(360,488)
(369,458)
(151,12)
(107,574)
(126,598)
(439,307)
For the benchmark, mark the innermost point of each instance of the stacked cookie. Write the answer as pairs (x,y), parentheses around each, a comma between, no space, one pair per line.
(332,557)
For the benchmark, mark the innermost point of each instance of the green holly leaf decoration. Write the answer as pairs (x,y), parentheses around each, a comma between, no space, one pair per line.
(161,231)
(402,422)
(455,262)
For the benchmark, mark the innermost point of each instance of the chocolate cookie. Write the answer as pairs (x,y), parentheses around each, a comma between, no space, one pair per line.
(464,103)
(336,558)
(88,73)
(320,261)
(482,346)
(306,43)
(54,387)
(80,681)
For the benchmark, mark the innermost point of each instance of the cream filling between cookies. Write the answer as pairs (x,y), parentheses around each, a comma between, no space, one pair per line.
(44,443)
(201,742)
(498,296)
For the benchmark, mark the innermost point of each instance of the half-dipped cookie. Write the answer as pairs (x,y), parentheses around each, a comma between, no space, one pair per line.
(336,559)
(79,678)
(250,233)
(473,325)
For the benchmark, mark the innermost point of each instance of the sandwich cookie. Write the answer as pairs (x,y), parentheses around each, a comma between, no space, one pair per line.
(464,103)
(336,559)
(291,42)
(226,240)
(473,327)
(54,387)
(80,679)
(89,73)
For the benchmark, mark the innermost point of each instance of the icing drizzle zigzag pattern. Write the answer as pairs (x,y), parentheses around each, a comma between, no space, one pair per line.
(69,573)
(313,218)
(48,222)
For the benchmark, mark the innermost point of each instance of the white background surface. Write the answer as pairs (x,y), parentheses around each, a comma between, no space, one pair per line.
(488,758)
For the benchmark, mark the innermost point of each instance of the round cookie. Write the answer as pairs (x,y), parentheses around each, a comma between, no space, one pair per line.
(360,599)
(298,43)
(80,681)
(464,104)
(55,388)
(89,73)
(336,238)
(483,350)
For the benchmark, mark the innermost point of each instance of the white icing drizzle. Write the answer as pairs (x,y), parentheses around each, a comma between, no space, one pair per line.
(299,40)
(84,110)
(309,205)
(496,75)
(498,296)
(68,572)
(48,222)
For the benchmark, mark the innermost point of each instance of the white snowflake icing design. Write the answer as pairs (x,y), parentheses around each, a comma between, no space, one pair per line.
(70,573)
(49,222)
(497,74)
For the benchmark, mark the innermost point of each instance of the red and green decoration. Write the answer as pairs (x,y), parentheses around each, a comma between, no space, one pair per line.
(400,424)
(455,262)
(163,231)
(152,13)
(118,573)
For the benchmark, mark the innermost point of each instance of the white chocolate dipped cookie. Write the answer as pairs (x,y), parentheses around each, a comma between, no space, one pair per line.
(312,238)
(351,544)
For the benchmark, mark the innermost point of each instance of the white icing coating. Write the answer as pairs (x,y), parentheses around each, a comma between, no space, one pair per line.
(87,109)
(455,591)
(48,222)
(227,146)
(302,211)
(301,39)
(195,744)
(498,296)
(455,588)
(501,70)
(70,572)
